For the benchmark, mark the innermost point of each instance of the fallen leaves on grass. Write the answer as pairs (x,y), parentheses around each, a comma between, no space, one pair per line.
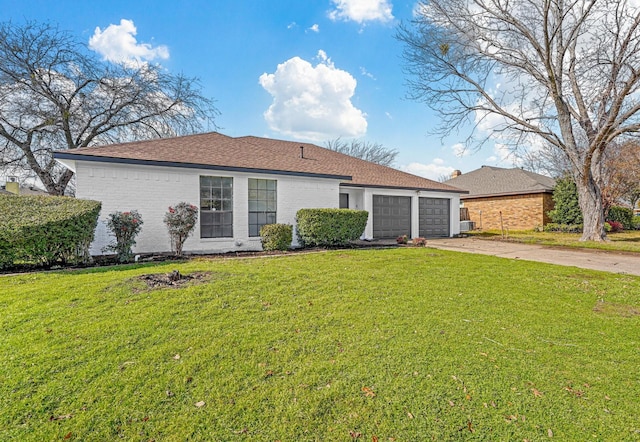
(355,434)
(61,417)
(200,404)
(177,356)
(536,392)
(368,392)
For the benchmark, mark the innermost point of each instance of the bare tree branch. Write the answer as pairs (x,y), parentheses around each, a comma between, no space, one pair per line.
(374,152)
(56,95)
(561,73)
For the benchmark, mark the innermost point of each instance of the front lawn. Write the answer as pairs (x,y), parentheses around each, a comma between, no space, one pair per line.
(401,344)
(627,241)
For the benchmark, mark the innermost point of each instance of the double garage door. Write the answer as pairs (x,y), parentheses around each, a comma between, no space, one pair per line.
(392,216)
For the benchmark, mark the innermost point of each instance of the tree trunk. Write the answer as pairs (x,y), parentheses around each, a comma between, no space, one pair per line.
(591,204)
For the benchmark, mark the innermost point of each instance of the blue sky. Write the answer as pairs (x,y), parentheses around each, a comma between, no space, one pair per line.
(309,70)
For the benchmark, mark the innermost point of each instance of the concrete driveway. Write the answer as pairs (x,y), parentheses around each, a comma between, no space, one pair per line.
(625,263)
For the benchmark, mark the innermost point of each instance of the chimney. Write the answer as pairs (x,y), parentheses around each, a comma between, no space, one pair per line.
(455,174)
(12,185)
(301,151)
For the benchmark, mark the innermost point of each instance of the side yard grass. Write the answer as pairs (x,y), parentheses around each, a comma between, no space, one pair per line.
(373,345)
(627,241)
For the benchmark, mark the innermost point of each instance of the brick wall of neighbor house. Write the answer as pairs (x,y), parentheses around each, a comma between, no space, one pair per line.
(519,212)
(151,190)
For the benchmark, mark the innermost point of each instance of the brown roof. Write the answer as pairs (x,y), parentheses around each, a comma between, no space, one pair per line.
(496,181)
(216,151)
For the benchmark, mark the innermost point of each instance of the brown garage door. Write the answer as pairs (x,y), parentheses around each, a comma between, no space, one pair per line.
(391,216)
(433,215)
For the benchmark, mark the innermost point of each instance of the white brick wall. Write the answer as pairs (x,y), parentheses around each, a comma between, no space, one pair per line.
(151,190)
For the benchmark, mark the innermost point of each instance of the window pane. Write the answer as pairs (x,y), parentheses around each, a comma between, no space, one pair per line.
(227,183)
(271,218)
(271,184)
(253,184)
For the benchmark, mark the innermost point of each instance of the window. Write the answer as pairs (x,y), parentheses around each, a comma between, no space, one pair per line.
(262,204)
(216,207)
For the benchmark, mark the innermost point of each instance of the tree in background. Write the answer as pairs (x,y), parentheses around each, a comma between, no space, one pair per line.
(566,209)
(57,95)
(621,175)
(374,152)
(543,71)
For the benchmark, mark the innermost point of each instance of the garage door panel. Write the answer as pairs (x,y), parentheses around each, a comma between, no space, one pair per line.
(391,216)
(434,219)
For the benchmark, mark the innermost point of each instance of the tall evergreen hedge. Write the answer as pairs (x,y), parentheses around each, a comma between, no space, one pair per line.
(45,230)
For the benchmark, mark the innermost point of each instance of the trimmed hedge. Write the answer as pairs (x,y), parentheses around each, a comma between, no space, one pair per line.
(45,229)
(276,236)
(622,215)
(330,227)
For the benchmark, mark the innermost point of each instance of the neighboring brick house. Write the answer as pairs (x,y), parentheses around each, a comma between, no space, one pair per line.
(515,199)
(244,183)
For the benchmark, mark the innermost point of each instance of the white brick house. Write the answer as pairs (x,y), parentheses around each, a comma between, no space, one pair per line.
(243,183)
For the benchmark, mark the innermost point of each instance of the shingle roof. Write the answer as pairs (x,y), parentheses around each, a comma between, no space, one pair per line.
(494,181)
(217,151)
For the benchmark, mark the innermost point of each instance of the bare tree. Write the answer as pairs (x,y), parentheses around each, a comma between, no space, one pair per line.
(56,95)
(561,72)
(547,160)
(620,175)
(374,152)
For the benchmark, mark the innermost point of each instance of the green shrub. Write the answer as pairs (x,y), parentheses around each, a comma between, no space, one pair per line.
(45,230)
(566,209)
(622,215)
(276,236)
(563,228)
(125,226)
(181,222)
(330,227)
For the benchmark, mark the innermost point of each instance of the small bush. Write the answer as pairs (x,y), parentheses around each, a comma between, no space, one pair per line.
(636,222)
(180,221)
(402,239)
(44,230)
(330,227)
(125,226)
(622,215)
(615,226)
(276,236)
(419,242)
(563,228)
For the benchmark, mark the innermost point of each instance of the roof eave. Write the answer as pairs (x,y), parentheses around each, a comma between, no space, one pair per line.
(423,189)
(139,162)
(492,195)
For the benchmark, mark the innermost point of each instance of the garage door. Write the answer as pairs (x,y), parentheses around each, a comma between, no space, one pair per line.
(433,215)
(391,216)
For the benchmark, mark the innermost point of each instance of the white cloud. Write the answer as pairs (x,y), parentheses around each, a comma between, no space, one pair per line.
(434,171)
(315,28)
(362,11)
(292,25)
(366,73)
(313,102)
(460,150)
(117,43)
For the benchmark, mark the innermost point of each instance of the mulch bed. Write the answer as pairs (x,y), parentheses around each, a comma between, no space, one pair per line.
(110,260)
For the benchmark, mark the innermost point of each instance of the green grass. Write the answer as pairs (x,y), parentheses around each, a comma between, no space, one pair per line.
(627,241)
(401,344)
